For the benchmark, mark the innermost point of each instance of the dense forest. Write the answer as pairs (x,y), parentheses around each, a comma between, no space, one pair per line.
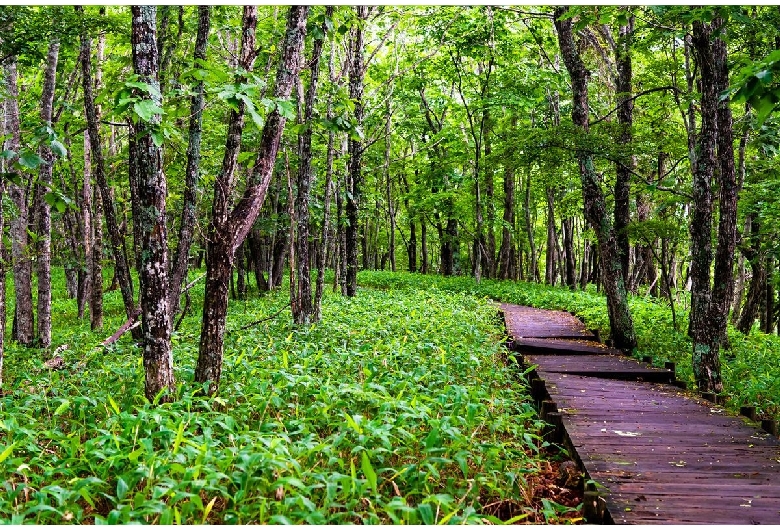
(175,176)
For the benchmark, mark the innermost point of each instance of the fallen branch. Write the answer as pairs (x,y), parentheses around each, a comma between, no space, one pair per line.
(131,323)
(256,322)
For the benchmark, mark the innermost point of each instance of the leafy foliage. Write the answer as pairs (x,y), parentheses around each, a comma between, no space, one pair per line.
(398,407)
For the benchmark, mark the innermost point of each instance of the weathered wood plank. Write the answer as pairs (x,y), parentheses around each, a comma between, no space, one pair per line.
(660,455)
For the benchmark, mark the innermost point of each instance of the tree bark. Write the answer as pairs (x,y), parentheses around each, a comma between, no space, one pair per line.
(121,266)
(180,261)
(505,253)
(151,192)
(625,115)
(355,180)
(230,227)
(302,306)
(709,303)
(620,320)
(44,210)
(550,255)
(23,324)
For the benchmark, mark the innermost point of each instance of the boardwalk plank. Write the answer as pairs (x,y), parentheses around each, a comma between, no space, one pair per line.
(659,454)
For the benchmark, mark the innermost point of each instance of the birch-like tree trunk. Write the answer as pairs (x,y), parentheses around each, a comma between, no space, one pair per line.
(42,206)
(151,192)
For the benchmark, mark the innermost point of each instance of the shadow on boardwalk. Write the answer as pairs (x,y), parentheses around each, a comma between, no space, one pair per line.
(652,453)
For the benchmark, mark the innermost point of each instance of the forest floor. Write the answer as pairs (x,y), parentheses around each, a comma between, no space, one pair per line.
(398,407)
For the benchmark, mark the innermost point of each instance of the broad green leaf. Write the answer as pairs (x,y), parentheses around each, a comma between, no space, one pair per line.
(30,159)
(58,149)
(62,408)
(121,488)
(7,452)
(146,109)
(368,471)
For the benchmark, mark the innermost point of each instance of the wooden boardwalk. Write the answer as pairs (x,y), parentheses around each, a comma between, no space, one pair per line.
(654,453)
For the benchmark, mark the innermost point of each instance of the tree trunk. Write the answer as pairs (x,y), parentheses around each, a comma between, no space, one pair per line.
(303,309)
(567,226)
(3,168)
(620,320)
(755,289)
(768,324)
(355,180)
(85,268)
(423,247)
(152,191)
(625,115)
(709,304)
(44,210)
(180,260)
(121,266)
(505,261)
(550,255)
(533,266)
(229,228)
(23,325)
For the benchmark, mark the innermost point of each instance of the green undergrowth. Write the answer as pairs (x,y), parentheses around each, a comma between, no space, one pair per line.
(397,408)
(750,370)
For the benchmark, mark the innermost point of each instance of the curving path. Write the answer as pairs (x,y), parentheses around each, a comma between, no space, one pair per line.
(652,453)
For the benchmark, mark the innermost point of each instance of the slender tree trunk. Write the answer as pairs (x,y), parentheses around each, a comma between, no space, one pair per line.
(768,324)
(303,309)
(121,266)
(625,114)
(533,272)
(755,289)
(229,228)
(23,325)
(326,225)
(505,261)
(95,236)
(85,269)
(355,182)
(152,191)
(423,247)
(550,255)
(621,323)
(388,183)
(96,263)
(567,226)
(41,205)
(180,260)
(3,253)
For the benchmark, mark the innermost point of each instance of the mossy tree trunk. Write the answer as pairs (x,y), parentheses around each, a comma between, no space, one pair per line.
(594,203)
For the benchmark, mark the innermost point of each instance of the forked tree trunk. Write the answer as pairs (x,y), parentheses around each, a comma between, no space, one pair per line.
(151,192)
(621,323)
(710,302)
(229,228)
